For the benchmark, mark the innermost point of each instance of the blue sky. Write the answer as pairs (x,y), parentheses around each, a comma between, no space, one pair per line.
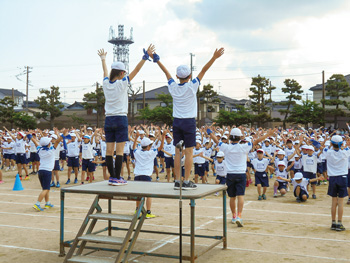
(275,38)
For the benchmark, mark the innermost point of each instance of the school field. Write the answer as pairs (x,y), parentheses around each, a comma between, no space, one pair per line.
(275,230)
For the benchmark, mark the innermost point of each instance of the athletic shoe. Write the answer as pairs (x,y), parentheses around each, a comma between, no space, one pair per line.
(13,168)
(129,177)
(233,221)
(263,197)
(111,180)
(177,186)
(313,196)
(348,202)
(275,195)
(58,185)
(118,182)
(7,168)
(48,205)
(72,172)
(216,194)
(283,195)
(68,181)
(340,227)
(149,215)
(26,178)
(76,180)
(156,179)
(52,184)
(250,181)
(260,198)
(20,177)
(247,184)
(271,176)
(61,169)
(37,207)
(333,226)
(298,199)
(239,222)
(162,171)
(87,178)
(1,182)
(325,182)
(189,186)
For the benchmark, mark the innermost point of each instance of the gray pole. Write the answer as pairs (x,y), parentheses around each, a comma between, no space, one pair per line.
(27,89)
(144,97)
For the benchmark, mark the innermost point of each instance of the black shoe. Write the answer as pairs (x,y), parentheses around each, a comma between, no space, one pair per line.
(313,196)
(334,226)
(340,227)
(298,200)
(177,186)
(189,186)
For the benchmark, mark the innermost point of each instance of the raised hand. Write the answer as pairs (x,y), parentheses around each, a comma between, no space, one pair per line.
(102,53)
(219,52)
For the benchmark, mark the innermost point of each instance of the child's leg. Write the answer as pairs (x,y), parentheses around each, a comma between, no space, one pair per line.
(122,170)
(19,168)
(297,191)
(47,196)
(275,187)
(233,206)
(340,209)
(148,203)
(104,171)
(168,174)
(57,176)
(42,195)
(128,165)
(334,208)
(204,179)
(304,197)
(188,163)
(217,181)
(76,172)
(195,178)
(259,189)
(264,190)
(25,169)
(82,176)
(240,204)
(69,170)
(1,176)
(314,188)
(53,178)
(90,175)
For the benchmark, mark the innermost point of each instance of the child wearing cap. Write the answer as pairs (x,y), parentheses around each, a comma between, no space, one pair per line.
(9,153)
(309,162)
(221,169)
(47,162)
(199,162)
(115,89)
(34,157)
(169,152)
(56,168)
(260,165)
(144,162)
(73,151)
(184,112)
(280,184)
(337,169)
(88,156)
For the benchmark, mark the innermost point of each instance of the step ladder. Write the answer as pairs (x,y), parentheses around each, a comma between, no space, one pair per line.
(123,245)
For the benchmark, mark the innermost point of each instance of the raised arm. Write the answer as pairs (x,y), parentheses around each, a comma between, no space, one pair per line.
(135,140)
(156,59)
(141,63)
(216,55)
(12,136)
(60,138)
(102,55)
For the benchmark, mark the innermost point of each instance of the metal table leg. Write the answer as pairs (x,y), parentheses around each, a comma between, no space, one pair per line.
(62,253)
(109,221)
(224,218)
(193,204)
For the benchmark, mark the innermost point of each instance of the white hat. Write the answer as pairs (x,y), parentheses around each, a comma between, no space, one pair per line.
(226,132)
(260,151)
(72,134)
(298,176)
(337,138)
(183,71)
(321,139)
(198,141)
(198,137)
(151,134)
(168,135)
(281,163)
(51,132)
(236,132)
(310,147)
(44,141)
(22,134)
(248,139)
(281,152)
(296,142)
(118,65)
(145,142)
(87,137)
(89,128)
(54,136)
(217,134)
(141,132)
(220,154)
(224,137)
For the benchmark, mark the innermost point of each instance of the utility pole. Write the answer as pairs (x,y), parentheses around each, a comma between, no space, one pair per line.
(323,90)
(13,94)
(307,96)
(198,105)
(27,85)
(97,108)
(270,99)
(144,96)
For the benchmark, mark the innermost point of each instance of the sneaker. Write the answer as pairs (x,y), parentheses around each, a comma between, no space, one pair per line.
(298,199)
(52,184)
(13,168)
(313,196)
(348,202)
(189,186)
(239,222)
(76,180)
(333,226)
(233,221)
(7,168)
(129,177)
(120,181)
(271,176)
(68,181)
(325,182)
(216,194)
(20,177)
(111,180)
(260,198)
(37,207)
(275,195)
(157,179)
(177,186)
(263,197)
(87,178)
(49,205)
(58,185)
(340,227)
(162,171)
(61,169)
(26,178)
(250,181)
(148,216)
(247,184)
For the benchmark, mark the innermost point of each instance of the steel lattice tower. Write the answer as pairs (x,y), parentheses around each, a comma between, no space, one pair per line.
(120,45)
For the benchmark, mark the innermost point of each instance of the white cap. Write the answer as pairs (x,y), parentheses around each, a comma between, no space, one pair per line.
(51,132)
(281,152)
(73,135)
(87,137)
(152,134)
(220,154)
(248,139)
(54,136)
(22,134)
(321,139)
(169,135)
(281,163)
(118,65)
(310,147)
(260,151)
(217,134)
(198,137)
(89,128)
(141,132)
(198,141)
(298,176)
(226,132)
(44,141)
(183,71)
(224,137)
(145,142)
(236,132)
(296,142)
(337,138)
(304,147)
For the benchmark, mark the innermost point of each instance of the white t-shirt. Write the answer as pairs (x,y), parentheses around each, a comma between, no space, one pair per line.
(57,151)
(236,156)
(198,159)
(260,165)
(309,163)
(144,162)
(20,146)
(303,184)
(337,161)
(170,148)
(87,151)
(221,169)
(184,98)
(73,149)
(290,152)
(104,148)
(116,95)
(32,147)
(47,158)
(283,174)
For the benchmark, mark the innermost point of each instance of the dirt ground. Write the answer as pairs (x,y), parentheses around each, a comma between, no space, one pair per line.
(278,229)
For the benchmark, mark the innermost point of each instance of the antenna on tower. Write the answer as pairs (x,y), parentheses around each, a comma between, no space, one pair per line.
(121,45)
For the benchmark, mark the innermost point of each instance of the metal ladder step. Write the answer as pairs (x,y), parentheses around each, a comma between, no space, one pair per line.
(112,217)
(86,259)
(102,239)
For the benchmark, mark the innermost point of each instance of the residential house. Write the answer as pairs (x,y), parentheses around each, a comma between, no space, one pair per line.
(17,95)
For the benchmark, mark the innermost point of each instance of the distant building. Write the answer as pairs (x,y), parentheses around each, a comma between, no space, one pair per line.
(18,97)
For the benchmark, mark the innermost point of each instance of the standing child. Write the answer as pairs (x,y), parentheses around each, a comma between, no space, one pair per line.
(169,152)
(261,179)
(115,89)
(56,168)
(199,162)
(88,164)
(221,170)
(73,151)
(184,112)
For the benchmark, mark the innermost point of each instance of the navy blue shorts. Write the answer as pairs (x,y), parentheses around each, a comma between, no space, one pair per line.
(21,158)
(206,166)
(104,159)
(34,157)
(88,165)
(298,171)
(309,175)
(324,166)
(302,192)
(73,162)
(338,186)
(132,154)
(98,152)
(282,185)
(199,168)
(57,165)
(289,163)
(7,156)
(169,162)
(185,129)
(236,184)
(45,179)
(13,157)
(27,160)
(221,179)
(144,178)
(261,178)
(249,164)
(319,168)
(160,154)
(63,155)
(116,129)
(155,162)
(125,157)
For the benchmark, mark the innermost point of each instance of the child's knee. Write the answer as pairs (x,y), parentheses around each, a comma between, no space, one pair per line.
(304,197)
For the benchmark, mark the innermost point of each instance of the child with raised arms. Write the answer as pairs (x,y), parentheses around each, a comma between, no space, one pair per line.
(260,165)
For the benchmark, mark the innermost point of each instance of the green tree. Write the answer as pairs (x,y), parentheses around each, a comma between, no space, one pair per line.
(239,117)
(261,88)
(307,112)
(96,101)
(24,121)
(133,92)
(337,89)
(7,111)
(50,104)
(208,94)
(76,119)
(293,90)
(160,114)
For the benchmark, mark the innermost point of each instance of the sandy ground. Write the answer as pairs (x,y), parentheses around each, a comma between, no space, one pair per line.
(278,229)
